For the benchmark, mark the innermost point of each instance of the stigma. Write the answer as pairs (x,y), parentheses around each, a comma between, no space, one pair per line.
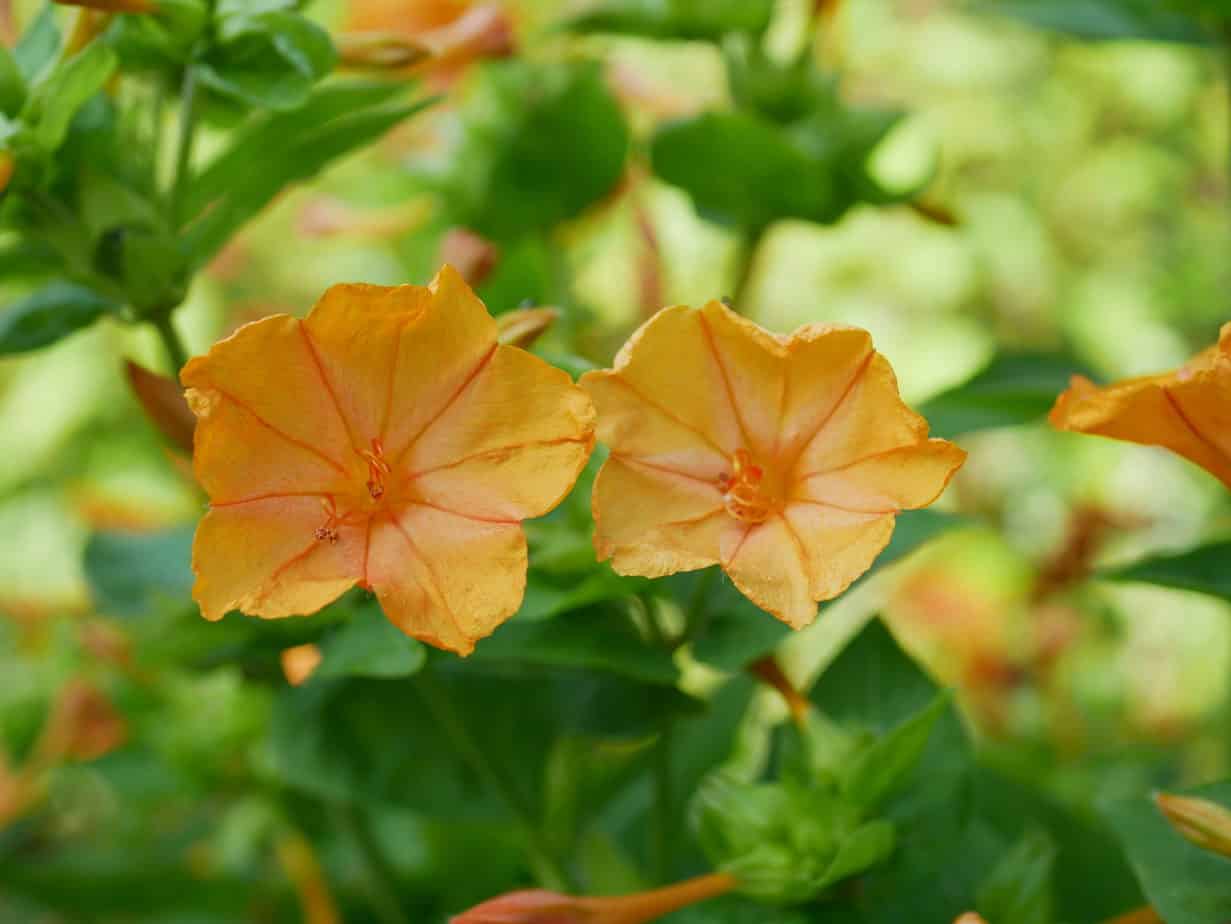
(744,491)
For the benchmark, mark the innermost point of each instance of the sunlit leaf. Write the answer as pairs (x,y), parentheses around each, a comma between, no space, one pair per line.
(50,314)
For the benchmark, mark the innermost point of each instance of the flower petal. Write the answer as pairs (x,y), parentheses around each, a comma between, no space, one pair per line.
(901,479)
(769,566)
(839,545)
(446,579)
(238,454)
(1186,412)
(824,363)
(353,333)
(263,558)
(668,362)
(871,418)
(653,522)
(242,367)
(439,357)
(750,363)
(518,405)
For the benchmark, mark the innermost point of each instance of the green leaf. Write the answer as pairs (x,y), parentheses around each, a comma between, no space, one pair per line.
(869,845)
(57,98)
(305,150)
(737,632)
(1014,389)
(1184,883)
(130,574)
(369,645)
(12,84)
(542,143)
(878,770)
(1019,889)
(675,19)
(1205,569)
(50,314)
(162,40)
(595,638)
(1154,20)
(38,45)
(271,60)
(743,170)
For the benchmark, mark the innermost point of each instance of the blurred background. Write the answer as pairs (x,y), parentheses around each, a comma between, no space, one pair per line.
(1074,200)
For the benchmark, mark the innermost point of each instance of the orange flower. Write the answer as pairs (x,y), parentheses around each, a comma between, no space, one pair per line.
(387,440)
(784,459)
(1187,411)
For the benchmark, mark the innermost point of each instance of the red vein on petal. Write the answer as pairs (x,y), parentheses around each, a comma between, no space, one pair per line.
(1201,437)
(666,470)
(868,458)
(393,375)
(281,433)
(800,552)
(367,548)
(739,547)
(464,516)
(310,345)
(820,503)
(273,496)
(842,399)
(708,335)
(292,561)
(435,580)
(469,380)
(562,441)
(645,399)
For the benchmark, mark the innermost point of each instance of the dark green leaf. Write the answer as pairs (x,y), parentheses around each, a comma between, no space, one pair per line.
(130,574)
(12,84)
(1184,883)
(867,846)
(369,645)
(1019,889)
(596,638)
(879,769)
(1014,389)
(304,151)
(48,315)
(271,60)
(1156,20)
(1205,569)
(675,19)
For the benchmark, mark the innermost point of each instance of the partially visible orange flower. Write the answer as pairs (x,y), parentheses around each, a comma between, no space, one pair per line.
(387,441)
(300,662)
(1187,411)
(455,32)
(783,459)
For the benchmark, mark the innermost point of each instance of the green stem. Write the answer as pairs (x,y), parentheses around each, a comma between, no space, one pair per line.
(171,341)
(549,871)
(382,889)
(187,133)
(752,248)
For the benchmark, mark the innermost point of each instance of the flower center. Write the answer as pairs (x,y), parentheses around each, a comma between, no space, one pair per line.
(378,469)
(744,491)
(354,507)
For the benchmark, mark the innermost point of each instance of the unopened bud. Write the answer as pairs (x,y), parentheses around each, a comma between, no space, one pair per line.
(379,51)
(471,254)
(522,326)
(1202,822)
(970,917)
(164,404)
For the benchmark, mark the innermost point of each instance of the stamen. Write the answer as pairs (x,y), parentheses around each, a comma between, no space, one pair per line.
(742,490)
(378,468)
(328,532)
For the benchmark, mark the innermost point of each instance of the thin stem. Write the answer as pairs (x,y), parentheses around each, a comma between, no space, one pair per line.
(382,889)
(187,133)
(747,271)
(549,871)
(171,341)
(649,906)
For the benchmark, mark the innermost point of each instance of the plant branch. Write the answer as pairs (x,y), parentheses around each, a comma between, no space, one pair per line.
(177,353)
(183,152)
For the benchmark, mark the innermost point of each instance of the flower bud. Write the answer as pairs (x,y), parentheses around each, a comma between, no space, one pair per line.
(1202,822)
(522,326)
(164,404)
(471,254)
(113,6)
(379,51)
(300,662)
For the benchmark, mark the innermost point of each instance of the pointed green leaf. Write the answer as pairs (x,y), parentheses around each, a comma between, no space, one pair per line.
(1205,569)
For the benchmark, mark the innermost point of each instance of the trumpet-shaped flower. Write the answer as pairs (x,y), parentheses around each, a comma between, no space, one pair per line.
(1187,411)
(783,459)
(387,441)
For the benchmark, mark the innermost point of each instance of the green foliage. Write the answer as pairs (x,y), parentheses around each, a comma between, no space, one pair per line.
(872,773)
(55,99)
(50,314)
(1012,390)
(132,574)
(1205,569)
(1184,883)
(1018,889)
(542,143)
(675,19)
(271,59)
(368,645)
